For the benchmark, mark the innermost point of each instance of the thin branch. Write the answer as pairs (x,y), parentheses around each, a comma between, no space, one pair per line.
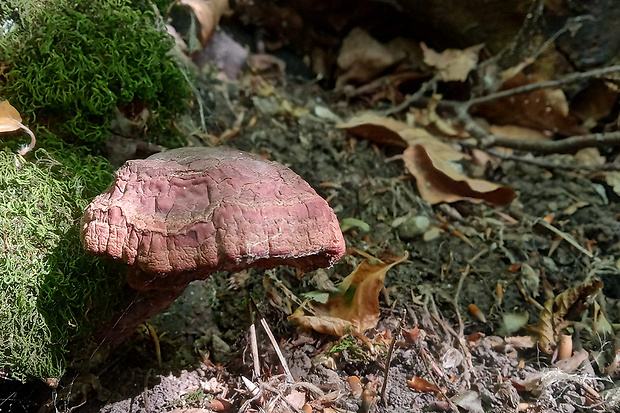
(522,40)
(426,360)
(547,164)
(568,79)
(567,145)
(419,94)
(386,375)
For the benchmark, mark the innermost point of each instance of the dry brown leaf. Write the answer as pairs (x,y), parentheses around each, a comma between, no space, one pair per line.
(388,131)
(356,386)
(426,158)
(361,58)
(557,311)
(208,13)
(452,64)
(520,342)
(595,102)
(354,308)
(438,182)
(545,109)
(518,132)
(573,302)
(8,116)
(420,384)
(441,150)
(411,336)
(296,398)
(376,128)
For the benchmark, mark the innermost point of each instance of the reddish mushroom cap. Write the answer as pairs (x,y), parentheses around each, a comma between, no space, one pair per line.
(189,212)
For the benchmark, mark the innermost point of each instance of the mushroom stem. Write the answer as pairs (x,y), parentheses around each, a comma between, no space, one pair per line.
(144,305)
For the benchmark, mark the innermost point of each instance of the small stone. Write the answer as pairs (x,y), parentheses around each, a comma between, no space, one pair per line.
(431,234)
(413,227)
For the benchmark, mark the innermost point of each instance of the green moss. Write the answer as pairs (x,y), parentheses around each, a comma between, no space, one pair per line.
(65,65)
(51,291)
(71,64)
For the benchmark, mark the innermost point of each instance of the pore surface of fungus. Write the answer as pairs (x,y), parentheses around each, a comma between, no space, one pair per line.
(183,214)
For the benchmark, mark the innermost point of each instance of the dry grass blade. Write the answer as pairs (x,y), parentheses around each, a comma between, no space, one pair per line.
(557,311)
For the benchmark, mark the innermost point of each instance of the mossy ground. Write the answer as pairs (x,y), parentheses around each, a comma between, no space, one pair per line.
(68,65)
(50,289)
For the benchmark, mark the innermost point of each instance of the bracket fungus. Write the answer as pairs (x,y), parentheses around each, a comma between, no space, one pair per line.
(183,214)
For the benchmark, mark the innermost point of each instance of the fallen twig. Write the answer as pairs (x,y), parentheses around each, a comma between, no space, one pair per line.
(145,393)
(409,100)
(254,347)
(468,369)
(389,357)
(565,80)
(567,145)
(273,340)
(426,360)
(547,164)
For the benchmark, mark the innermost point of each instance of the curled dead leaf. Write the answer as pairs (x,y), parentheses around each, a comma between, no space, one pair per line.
(10,121)
(354,308)
(375,128)
(362,57)
(412,335)
(544,110)
(438,182)
(357,388)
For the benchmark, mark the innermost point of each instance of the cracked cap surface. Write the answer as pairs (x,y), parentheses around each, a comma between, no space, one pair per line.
(208,209)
